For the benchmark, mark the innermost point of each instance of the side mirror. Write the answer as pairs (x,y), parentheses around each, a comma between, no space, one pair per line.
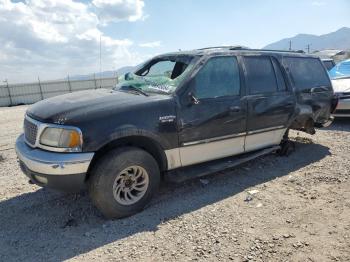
(193,99)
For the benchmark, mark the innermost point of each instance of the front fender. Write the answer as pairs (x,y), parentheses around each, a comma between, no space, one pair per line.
(129,131)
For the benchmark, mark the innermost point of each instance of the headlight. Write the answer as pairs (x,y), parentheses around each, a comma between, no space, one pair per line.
(70,139)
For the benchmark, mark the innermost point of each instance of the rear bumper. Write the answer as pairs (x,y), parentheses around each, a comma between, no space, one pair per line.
(62,171)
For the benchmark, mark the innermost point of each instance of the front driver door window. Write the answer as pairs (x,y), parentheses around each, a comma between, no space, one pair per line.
(219,77)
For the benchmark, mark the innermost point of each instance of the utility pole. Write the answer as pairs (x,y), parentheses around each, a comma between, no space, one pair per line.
(308,48)
(100,63)
(69,85)
(8,90)
(40,89)
(290,45)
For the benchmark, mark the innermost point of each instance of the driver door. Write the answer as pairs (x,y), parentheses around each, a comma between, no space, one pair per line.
(212,119)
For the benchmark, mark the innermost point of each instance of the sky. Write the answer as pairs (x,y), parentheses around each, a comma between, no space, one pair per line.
(53,38)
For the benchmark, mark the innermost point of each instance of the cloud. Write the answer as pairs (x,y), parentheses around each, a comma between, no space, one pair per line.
(52,38)
(151,44)
(318,3)
(119,10)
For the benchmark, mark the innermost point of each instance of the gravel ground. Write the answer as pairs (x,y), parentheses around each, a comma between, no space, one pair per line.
(294,208)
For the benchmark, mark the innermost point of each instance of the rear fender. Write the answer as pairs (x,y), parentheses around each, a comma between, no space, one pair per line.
(304,120)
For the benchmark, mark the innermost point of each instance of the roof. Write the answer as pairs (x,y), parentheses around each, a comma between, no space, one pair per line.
(233,50)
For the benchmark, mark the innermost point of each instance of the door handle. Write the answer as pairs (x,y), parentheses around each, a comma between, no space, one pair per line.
(235,109)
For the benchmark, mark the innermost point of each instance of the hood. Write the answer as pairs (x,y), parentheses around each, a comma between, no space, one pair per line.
(341,85)
(68,108)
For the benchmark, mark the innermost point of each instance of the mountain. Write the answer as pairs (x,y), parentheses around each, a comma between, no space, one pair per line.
(104,74)
(339,39)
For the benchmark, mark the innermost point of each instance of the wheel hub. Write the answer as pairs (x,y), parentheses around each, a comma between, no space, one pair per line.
(128,182)
(130,185)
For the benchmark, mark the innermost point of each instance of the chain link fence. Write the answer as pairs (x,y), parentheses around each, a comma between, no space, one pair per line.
(29,93)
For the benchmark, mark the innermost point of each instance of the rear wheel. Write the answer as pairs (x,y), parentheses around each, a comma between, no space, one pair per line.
(287,146)
(123,182)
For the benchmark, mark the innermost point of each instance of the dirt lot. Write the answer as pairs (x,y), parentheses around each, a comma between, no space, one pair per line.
(294,208)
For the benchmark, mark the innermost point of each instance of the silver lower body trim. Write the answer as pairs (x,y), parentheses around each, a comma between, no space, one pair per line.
(261,139)
(211,150)
(219,147)
(52,163)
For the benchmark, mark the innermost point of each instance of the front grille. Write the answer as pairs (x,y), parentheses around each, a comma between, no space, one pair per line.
(30,131)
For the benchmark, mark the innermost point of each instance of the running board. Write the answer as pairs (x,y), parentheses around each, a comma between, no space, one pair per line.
(181,174)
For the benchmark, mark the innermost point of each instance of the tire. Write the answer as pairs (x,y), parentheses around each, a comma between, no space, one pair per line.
(287,146)
(109,185)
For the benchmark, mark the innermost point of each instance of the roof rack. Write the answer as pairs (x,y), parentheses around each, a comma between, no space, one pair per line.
(235,47)
(238,47)
(276,50)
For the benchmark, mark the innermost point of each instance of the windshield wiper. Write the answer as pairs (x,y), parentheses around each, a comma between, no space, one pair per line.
(133,88)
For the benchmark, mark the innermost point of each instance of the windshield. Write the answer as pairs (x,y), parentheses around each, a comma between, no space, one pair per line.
(341,70)
(159,75)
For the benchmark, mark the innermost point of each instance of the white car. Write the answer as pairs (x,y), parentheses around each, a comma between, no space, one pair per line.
(342,90)
(340,76)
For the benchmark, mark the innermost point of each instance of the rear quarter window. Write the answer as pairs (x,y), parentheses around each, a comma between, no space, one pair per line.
(307,72)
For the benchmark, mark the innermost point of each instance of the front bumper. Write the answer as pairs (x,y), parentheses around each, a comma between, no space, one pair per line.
(343,108)
(62,171)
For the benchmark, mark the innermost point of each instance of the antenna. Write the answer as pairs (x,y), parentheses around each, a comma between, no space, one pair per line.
(100,63)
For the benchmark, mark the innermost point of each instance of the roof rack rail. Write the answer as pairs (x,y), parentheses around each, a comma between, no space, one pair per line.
(234,47)
(238,47)
(276,50)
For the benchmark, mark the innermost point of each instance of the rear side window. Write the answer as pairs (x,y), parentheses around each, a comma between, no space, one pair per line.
(217,78)
(307,72)
(260,75)
(328,64)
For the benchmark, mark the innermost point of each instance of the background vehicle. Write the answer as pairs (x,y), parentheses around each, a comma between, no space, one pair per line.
(340,76)
(180,114)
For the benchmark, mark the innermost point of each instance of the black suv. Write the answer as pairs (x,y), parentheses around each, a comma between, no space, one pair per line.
(181,114)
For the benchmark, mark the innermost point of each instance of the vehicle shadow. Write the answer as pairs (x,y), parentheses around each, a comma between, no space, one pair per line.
(49,226)
(340,124)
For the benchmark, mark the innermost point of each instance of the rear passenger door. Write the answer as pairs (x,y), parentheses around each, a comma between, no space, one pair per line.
(270,102)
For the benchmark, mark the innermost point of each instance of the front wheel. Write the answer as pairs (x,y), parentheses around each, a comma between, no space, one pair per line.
(123,182)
